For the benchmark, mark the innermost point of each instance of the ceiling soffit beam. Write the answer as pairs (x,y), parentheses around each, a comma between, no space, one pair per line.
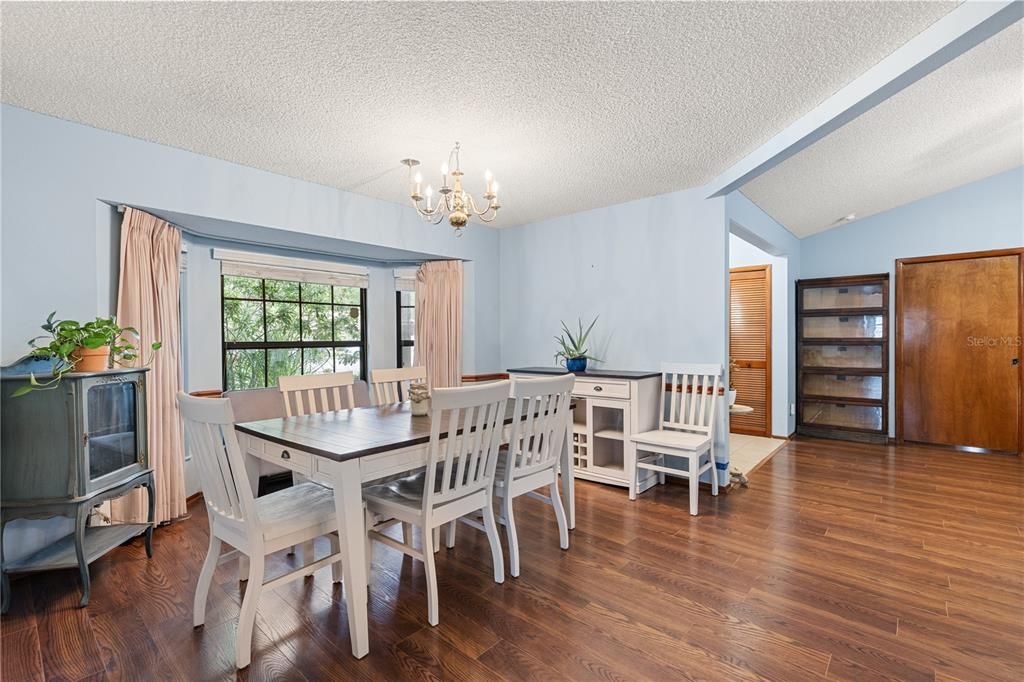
(971,23)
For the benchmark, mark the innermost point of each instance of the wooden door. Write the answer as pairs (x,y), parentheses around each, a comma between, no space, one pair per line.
(750,346)
(958,350)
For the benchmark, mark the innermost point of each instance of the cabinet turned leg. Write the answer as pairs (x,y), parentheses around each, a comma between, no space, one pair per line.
(150,518)
(83,565)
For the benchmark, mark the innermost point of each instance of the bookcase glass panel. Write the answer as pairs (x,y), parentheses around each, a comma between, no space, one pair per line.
(859,357)
(865,417)
(868,387)
(844,327)
(854,296)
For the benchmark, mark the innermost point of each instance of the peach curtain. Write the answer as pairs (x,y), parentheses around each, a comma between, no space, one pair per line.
(147,299)
(439,322)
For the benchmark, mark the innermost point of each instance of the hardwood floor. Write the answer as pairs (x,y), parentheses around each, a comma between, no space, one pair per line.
(840,561)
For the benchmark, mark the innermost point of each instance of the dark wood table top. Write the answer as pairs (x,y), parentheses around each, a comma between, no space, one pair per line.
(349,434)
(589,374)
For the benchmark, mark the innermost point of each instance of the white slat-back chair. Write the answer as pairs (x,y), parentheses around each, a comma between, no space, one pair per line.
(542,412)
(312,393)
(255,527)
(388,386)
(458,479)
(687,429)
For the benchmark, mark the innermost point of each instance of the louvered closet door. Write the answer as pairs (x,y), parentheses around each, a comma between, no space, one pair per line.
(750,323)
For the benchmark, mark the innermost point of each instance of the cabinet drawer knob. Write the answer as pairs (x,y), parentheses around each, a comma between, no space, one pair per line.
(285,454)
(597,389)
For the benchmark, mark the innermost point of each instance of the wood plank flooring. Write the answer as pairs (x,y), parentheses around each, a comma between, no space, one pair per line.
(840,561)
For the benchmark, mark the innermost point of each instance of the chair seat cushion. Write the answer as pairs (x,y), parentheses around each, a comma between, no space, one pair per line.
(677,440)
(306,505)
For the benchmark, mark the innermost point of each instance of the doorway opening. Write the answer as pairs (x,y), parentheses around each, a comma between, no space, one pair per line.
(758,322)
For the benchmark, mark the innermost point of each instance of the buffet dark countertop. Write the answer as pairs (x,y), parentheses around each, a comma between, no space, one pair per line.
(589,374)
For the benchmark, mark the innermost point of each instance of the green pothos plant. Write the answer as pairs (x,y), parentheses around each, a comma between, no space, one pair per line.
(64,337)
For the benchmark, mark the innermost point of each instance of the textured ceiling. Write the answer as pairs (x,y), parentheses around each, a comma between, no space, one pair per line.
(961,123)
(572,105)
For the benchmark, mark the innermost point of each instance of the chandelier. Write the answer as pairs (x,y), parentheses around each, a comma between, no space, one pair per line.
(454,202)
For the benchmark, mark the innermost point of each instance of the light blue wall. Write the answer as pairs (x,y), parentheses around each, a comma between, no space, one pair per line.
(654,270)
(741,254)
(988,214)
(748,222)
(59,251)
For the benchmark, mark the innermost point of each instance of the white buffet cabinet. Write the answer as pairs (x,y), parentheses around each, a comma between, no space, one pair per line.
(610,406)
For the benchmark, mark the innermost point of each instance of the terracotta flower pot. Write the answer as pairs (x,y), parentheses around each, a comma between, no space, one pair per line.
(91,359)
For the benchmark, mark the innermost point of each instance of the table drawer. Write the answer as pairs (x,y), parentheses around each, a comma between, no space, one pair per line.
(287,457)
(601,389)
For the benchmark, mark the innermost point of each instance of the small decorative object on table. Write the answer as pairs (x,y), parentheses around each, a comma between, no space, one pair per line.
(419,398)
(573,351)
(732,381)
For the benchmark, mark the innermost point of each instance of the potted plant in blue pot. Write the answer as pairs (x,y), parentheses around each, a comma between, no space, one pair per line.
(573,349)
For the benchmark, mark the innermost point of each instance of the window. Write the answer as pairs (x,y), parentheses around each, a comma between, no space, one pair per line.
(276,327)
(406,319)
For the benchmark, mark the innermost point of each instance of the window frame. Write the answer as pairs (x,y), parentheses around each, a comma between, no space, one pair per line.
(401,343)
(300,345)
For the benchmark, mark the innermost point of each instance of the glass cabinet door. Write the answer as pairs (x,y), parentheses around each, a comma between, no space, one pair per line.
(867,387)
(844,297)
(112,415)
(862,357)
(844,327)
(861,417)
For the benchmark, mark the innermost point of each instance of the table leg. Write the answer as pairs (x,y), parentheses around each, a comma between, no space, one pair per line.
(348,504)
(568,480)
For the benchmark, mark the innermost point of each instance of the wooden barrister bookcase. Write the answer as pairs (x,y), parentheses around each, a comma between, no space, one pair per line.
(842,356)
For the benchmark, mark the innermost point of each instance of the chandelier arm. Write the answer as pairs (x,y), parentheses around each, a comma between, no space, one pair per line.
(473,207)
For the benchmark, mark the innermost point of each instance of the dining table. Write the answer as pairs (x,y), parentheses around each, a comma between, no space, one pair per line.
(346,449)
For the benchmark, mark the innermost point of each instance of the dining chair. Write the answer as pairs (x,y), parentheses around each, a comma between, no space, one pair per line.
(541,414)
(389,386)
(687,429)
(254,526)
(392,385)
(457,480)
(312,393)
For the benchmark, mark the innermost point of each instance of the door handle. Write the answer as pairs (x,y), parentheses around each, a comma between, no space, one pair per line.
(597,389)
(285,454)
(1015,362)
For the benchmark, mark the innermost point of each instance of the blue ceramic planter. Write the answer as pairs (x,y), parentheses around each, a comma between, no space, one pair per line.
(576,364)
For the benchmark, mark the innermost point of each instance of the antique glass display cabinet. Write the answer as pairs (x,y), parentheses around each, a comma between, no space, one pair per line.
(65,451)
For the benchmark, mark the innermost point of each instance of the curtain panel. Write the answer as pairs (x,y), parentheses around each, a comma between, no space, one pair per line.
(439,322)
(147,299)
